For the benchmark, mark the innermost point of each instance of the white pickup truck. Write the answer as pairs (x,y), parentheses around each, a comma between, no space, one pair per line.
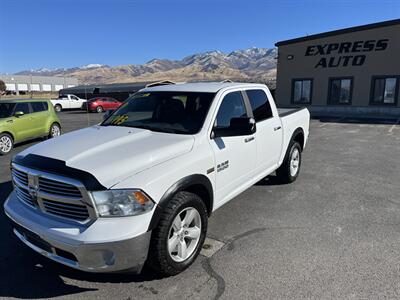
(140,186)
(67,101)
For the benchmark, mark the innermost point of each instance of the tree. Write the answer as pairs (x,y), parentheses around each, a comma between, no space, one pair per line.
(2,87)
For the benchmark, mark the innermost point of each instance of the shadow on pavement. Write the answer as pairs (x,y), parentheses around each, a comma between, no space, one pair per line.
(357,120)
(270,180)
(28,275)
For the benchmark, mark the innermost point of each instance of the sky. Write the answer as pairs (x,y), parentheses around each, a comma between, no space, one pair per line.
(70,33)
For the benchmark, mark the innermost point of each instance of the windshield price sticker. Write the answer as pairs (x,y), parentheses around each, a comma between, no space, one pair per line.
(119,119)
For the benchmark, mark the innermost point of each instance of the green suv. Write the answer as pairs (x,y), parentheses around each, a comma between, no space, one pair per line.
(22,120)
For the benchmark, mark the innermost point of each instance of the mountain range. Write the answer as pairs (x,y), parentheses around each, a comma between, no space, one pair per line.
(253,64)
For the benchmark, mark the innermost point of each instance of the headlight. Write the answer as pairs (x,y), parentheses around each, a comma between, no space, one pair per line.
(122,203)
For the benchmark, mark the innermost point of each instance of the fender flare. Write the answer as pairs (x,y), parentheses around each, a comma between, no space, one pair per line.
(181,185)
(299,130)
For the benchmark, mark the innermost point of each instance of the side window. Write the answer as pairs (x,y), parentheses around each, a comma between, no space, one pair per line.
(259,104)
(74,98)
(38,106)
(232,106)
(24,107)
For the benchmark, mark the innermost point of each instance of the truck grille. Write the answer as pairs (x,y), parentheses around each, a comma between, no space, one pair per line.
(52,194)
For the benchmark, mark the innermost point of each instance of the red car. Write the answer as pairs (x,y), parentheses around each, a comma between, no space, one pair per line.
(100,104)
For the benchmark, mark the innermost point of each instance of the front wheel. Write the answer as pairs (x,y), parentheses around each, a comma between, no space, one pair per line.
(180,234)
(55,130)
(6,143)
(99,109)
(290,168)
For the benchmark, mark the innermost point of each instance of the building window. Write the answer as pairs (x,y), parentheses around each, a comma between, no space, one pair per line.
(384,90)
(301,91)
(340,90)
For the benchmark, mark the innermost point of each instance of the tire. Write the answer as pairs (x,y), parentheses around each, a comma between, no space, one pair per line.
(58,108)
(55,130)
(6,143)
(289,170)
(99,109)
(168,262)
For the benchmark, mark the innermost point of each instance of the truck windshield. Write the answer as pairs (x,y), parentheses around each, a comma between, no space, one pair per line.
(6,109)
(174,112)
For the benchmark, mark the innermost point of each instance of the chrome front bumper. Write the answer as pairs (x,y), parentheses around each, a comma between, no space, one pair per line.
(109,255)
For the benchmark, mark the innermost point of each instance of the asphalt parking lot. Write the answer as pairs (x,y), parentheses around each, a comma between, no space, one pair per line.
(334,233)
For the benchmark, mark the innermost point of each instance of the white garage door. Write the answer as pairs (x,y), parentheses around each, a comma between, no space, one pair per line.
(22,87)
(35,87)
(71,85)
(58,87)
(10,86)
(46,87)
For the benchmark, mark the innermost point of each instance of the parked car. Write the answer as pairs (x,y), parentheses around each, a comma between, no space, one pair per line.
(67,101)
(175,154)
(100,104)
(22,120)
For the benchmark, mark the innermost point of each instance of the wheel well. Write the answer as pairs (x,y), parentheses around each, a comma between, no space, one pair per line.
(201,191)
(58,104)
(9,133)
(298,136)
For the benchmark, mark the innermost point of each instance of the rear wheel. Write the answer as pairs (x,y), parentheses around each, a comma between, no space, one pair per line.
(58,108)
(99,109)
(180,234)
(55,130)
(6,143)
(290,168)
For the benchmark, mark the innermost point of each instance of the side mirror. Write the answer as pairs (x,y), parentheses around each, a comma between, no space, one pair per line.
(18,114)
(107,114)
(237,127)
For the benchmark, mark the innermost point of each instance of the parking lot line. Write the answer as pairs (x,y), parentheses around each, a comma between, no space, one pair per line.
(394,125)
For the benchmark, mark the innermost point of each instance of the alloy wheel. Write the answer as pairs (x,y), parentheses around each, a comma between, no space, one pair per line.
(184,234)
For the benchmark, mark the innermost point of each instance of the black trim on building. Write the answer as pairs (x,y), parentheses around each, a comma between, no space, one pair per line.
(329,100)
(338,32)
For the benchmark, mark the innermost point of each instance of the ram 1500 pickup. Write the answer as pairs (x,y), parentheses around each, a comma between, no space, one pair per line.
(67,101)
(174,154)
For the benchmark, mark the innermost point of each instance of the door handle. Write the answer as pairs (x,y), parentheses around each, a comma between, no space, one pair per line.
(249,139)
(277,128)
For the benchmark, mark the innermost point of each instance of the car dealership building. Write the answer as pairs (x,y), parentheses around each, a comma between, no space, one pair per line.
(354,70)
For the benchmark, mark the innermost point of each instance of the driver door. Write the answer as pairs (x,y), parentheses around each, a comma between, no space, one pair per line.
(235,156)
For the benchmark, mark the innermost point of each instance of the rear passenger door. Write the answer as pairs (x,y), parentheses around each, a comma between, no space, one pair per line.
(39,118)
(269,131)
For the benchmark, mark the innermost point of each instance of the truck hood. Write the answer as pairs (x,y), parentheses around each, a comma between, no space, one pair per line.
(112,153)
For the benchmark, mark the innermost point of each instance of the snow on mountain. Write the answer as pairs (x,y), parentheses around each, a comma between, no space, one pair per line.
(247,64)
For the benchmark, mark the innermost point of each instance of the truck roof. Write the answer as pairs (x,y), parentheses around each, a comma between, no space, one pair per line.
(205,87)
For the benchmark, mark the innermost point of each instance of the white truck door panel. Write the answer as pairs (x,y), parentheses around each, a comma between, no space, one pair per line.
(269,143)
(74,102)
(269,130)
(235,156)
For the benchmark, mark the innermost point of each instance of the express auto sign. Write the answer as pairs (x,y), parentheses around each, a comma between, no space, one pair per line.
(345,54)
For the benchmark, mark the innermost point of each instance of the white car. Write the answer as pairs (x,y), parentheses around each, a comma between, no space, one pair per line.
(141,185)
(67,101)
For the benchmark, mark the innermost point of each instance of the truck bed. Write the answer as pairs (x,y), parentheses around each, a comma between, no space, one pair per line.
(288,111)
